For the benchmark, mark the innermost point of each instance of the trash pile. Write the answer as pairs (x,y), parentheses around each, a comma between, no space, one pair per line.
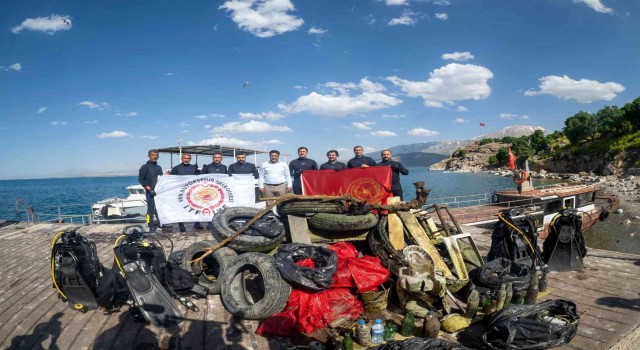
(399,258)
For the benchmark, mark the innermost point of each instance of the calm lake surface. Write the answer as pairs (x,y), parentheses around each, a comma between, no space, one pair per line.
(75,196)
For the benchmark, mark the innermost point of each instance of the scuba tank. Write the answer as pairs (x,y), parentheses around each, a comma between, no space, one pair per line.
(564,248)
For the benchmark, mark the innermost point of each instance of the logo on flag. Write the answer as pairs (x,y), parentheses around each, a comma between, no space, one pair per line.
(205,197)
(367,189)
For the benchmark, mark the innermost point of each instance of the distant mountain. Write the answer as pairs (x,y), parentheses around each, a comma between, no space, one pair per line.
(413,159)
(448,147)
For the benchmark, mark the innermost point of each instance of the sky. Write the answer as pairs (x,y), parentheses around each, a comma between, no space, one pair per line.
(89,87)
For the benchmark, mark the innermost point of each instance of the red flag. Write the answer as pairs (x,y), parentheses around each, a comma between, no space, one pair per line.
(371,184)
(512,160)
(483,124)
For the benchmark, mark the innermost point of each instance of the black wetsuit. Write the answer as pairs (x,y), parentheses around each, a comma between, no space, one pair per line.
(333,166)
(242,168)
(396,170)
(357,162)
(214,168)
(296,167)
(148,176)
(182,169)
(189,169)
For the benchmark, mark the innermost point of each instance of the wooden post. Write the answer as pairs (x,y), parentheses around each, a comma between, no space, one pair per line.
(396,232)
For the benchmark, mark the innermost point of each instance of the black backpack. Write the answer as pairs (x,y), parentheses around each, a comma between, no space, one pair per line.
(515,237)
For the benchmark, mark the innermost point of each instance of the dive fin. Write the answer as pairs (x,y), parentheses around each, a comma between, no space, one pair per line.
(75,288)
(155,304)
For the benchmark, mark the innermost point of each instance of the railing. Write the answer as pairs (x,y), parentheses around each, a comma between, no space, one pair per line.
(61,213)
(485,209)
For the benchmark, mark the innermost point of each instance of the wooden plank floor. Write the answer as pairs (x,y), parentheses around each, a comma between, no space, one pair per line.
(32,317)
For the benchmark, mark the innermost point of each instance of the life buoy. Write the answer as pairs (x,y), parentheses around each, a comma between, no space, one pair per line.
(520,176)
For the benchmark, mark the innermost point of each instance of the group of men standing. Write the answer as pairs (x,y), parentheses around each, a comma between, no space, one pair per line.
(275,178)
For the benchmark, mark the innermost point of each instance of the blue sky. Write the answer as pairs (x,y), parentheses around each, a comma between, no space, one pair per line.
(93,86)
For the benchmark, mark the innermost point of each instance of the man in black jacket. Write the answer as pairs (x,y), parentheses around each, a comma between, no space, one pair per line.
(360,160)
(148,178)
(186,168)
(396,170)
(216,167)
(297,166)
(332,163)
(242,166)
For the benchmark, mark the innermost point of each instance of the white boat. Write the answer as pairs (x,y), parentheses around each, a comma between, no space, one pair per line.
(130,209)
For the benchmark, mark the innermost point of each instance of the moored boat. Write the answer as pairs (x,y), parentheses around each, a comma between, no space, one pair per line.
(130,209)
(543,203)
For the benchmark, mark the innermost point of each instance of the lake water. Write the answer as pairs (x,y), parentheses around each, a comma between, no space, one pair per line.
(75,196)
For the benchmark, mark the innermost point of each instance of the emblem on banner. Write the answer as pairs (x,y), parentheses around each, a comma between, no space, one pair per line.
(366,189)
(205,197)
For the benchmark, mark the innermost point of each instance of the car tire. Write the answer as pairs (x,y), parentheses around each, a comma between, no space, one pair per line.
(342,223)
(209,269)
(221,229)
(252,287)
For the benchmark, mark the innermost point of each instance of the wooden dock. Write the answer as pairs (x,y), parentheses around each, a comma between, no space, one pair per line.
(32,317)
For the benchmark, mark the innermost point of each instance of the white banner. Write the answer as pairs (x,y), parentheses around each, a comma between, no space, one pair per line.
(191,198)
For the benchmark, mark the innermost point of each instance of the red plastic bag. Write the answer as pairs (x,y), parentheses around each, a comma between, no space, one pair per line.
(308,312)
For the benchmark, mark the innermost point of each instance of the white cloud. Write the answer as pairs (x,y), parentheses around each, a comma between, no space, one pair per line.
(184,124)
(461,109)
(408,18)
(342,100)
(168,74)
(370,19)
(55,122)
(91,121)
(149,137)
(201,116)
(114,134)
(15,67)
(132,114)
(458,56)
(299,87)
(395,2)
(94,105)
(583,90)
(264,115)
(441,16)
(596,5)
(41,110)
(227,141)
(442,2)
(318,31)
(362,126)
(263,18)
(453,82)
(251,126)
(272,142)
(513,116)
(216,115)
(383,133)
(393,116)
(422,132)
(49,25)
(460,120)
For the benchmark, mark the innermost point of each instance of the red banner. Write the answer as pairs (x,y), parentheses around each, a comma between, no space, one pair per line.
(372,184)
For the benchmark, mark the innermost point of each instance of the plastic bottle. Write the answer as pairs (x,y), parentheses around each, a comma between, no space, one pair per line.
(502,295)
(377,332)
(532,292)
(472,304)
(408,324)
(390,329)
(347,342)
(509,296)
(363,333)
(519,299)
(431,326)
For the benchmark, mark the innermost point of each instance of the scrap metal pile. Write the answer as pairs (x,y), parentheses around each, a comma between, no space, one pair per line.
(320,263)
